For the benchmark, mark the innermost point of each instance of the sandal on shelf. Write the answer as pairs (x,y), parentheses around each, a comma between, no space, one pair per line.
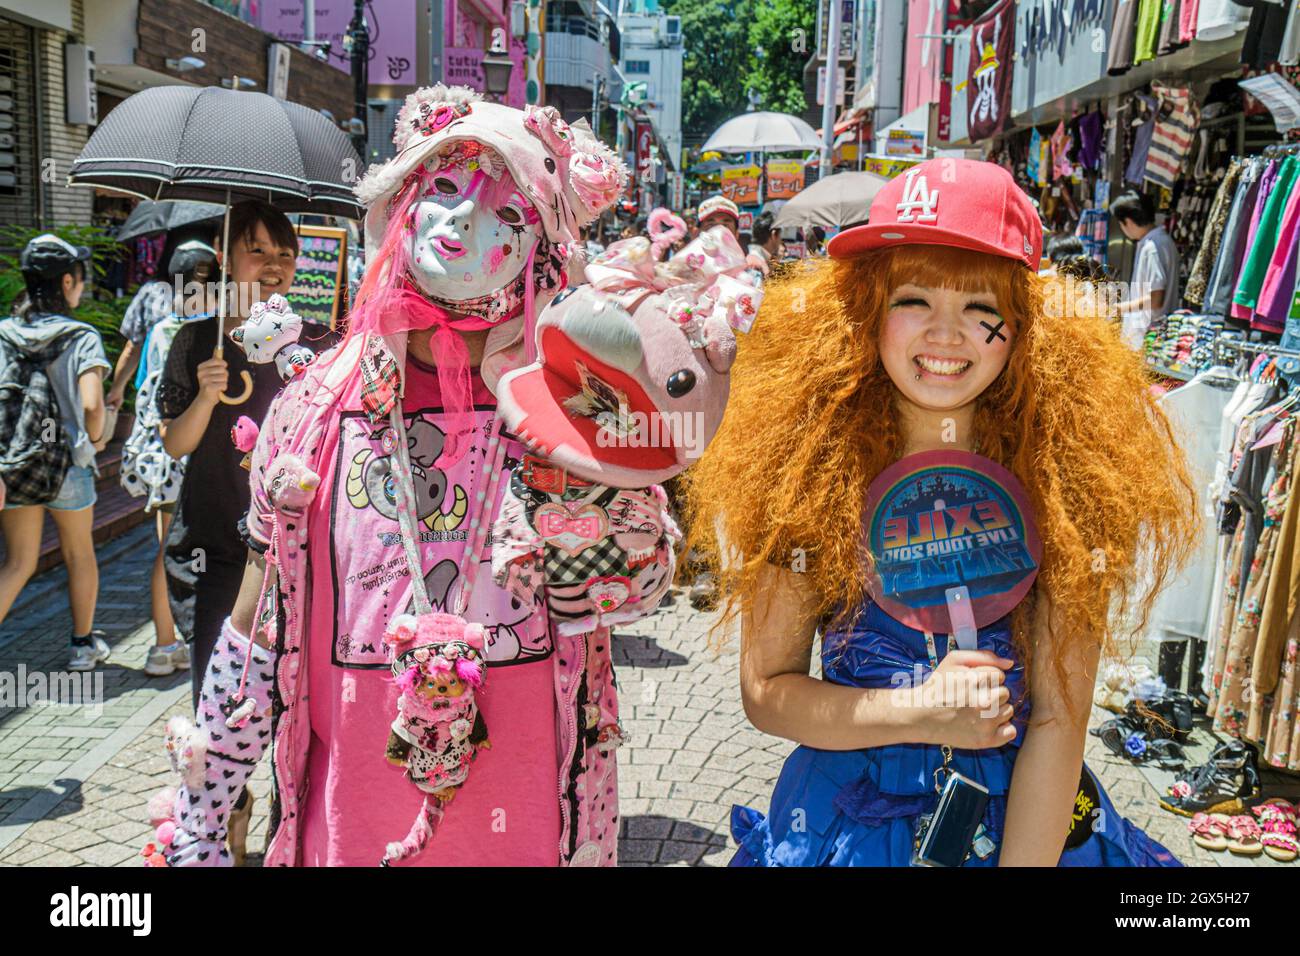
(1243,836)
(1209,831)
(1226,783)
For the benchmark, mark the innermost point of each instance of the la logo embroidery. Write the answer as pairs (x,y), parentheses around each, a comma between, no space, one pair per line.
(917,196)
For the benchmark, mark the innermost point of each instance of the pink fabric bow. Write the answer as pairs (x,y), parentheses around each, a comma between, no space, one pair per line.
(709,272)
(553,525)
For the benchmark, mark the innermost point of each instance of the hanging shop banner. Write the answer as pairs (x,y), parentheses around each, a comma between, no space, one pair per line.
(784,178)
(988,83)
(941,521)
(740,184)
(320,278)
(924,56)
(1061,46)
(645,137)
(887,166)
(393,37)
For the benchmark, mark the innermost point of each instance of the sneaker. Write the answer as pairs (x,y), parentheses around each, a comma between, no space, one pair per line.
(1226,783)
(166,660)
(86,656)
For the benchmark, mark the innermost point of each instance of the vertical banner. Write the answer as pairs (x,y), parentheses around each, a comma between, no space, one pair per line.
(989,81)
(784,178)
(740,184)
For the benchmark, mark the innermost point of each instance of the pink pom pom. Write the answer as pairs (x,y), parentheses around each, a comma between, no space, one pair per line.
(166,832)
(162,806)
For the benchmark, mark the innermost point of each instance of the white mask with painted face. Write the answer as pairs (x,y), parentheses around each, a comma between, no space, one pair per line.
(471,236)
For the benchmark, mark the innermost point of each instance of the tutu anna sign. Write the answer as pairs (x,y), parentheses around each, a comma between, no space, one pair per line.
(942,520)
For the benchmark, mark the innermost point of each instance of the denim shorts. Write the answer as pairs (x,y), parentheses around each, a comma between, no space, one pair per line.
(77,492)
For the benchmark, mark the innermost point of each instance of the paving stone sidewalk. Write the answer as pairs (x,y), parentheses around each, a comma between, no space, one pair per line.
(73,781)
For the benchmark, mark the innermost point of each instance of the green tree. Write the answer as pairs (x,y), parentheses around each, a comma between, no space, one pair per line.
(722,63)
(785,31)
(716,61)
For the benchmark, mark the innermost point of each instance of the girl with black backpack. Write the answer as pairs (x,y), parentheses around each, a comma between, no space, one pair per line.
(53,421)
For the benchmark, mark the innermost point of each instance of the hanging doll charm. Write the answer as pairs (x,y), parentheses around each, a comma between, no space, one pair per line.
(439,666)
(270,334)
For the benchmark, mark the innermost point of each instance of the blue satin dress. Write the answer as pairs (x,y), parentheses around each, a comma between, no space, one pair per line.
(860,807)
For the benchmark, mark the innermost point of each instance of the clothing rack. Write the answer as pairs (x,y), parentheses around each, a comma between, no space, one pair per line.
(1277,149)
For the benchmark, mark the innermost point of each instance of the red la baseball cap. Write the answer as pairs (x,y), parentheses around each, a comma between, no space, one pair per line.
(950,202)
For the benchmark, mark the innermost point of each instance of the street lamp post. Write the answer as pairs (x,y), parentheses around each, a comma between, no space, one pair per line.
(358,44)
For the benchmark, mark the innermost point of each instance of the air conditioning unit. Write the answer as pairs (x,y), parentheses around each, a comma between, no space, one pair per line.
(673,29)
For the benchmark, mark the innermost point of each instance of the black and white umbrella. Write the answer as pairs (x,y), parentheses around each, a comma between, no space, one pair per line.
(151,217)
(207,143)
(215,145)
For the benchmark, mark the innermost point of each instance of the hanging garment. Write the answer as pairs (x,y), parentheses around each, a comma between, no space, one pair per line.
(1148,30)
(1137,165)
(1094,232)
(1279,282)
(1236,691)
(1281,597)
(1171,36)
(1035,155)
(1062,168)
(1281,747)
(1090,139)
(1220,19)
(1222,282)
(1264,240)
(1171,139)
(1264,34)
(1187,15)
(1195,411)
(1215,224)
(1289,54)
(1123,31)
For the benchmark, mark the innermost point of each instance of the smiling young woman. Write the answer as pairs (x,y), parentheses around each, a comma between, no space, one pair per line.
(919,336)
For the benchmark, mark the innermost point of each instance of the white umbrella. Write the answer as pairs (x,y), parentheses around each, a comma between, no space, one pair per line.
(762,132)
(833,202)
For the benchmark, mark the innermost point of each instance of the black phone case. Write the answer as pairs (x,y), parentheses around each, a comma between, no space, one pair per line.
(947,841)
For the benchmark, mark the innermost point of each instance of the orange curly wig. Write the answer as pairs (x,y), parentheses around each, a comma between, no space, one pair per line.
(811,422)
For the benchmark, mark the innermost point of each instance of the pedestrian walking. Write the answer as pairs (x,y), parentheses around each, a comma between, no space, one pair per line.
(148,471)
(52,421)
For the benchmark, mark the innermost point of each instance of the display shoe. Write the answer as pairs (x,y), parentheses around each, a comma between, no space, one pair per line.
(1167,717)
(1243,836)
(1226,783)
(1277,820)
(237,831)
(1210,831)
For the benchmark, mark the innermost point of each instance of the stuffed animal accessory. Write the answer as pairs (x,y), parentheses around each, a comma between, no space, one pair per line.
(270,334)
(633,371)
(602,554)
(438,664)
(216,760)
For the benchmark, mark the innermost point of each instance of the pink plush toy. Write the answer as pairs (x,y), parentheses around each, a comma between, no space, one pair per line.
(437,660)
(270,334)
(633,371)
(244,435)
(292,485)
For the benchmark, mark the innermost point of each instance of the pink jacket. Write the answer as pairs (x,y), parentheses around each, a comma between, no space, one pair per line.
(585,696)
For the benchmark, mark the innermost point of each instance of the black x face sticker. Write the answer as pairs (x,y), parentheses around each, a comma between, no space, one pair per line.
(995,331)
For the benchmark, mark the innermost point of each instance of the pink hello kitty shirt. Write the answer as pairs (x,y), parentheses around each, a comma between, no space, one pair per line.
(356,802)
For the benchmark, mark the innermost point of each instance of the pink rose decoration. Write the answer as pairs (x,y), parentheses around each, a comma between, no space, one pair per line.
(549,126)
(596,181)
